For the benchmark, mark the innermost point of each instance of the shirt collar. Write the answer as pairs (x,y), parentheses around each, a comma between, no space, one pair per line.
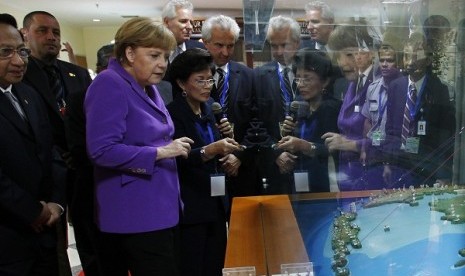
(8,89)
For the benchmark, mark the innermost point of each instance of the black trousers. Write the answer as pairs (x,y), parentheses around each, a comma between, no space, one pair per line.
(143,254)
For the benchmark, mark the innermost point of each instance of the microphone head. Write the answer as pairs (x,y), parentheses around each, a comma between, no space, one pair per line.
(216,108)
(294,107)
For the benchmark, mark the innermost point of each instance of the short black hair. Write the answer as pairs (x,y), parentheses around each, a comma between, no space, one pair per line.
(103,55)
(29,17)
(185,64)
(314,60)
(8,19)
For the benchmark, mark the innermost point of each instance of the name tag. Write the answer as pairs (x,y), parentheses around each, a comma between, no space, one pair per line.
(421,128)
(217,185)
(373,106)
(301,181)
(376,138)
(412,144)
(357,109)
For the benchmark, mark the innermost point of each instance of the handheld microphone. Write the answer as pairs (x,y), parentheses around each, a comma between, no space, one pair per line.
(217,112)
(294,112)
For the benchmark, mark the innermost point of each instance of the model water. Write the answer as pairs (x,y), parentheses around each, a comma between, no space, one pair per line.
(398,232)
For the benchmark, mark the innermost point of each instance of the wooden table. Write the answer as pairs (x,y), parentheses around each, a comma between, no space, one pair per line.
(263,232)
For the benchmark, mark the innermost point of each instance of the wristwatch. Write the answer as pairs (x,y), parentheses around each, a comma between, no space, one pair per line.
(204,154)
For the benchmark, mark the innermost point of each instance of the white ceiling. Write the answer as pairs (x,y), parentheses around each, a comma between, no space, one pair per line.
(110,12)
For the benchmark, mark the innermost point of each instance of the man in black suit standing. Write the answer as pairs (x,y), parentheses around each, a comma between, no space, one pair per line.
(273,98)
(61,84)
(233,89)
(320,24)
(177,16)
(30,201)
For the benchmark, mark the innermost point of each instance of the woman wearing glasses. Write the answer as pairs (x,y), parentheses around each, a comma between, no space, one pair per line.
(317,117)
(202,231)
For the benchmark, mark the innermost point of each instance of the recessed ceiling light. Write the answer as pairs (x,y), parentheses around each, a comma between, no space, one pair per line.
(96,20)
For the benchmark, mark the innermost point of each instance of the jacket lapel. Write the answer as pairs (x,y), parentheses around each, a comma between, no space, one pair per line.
(9,112)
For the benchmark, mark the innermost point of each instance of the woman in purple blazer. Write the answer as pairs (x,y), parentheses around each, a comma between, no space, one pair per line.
(129,140)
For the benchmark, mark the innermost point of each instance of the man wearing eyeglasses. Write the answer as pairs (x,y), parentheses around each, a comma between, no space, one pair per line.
(30,201)
(62,86)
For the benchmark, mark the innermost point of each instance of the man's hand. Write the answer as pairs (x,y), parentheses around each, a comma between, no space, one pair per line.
(42,219)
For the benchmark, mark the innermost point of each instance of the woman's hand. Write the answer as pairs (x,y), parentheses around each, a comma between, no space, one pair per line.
(336,141)
(292,144)
(226,129)
(230,164)
(178,147)
(286,162)
(287,126)
(222,147)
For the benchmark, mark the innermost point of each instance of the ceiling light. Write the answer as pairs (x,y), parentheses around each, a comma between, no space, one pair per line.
(96,20)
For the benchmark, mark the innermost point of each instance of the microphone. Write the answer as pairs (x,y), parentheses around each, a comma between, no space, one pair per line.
(294,108)
(217,112)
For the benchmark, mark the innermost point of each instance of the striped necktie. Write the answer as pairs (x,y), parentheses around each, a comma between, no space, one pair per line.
(287,94)
(222,89)
(408,122)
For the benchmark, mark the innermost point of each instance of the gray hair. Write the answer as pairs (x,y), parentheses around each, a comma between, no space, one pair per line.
(169,10)
(326,12)
(225,23)
(280,22)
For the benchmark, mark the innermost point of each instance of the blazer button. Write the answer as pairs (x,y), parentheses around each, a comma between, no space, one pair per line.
(164,121)
(167,138)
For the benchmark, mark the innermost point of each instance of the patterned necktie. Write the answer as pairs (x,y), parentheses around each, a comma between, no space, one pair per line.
(56,87)
(360,82)
(15,103)
(408,122)
(222,90)
(287,94)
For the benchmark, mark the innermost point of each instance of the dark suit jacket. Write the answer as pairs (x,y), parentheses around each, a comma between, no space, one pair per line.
(437,145)
(25,175)
(194,174)
(240,98)
(166,91)
(268,99)
(75,79)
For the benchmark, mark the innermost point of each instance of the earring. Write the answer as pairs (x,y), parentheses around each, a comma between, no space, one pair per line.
(184,94)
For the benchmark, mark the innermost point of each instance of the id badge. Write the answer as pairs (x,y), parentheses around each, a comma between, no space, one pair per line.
(357,109)
(421,128)
(373,106)
(376,138)
(412,144)
(217,185)
(301,181)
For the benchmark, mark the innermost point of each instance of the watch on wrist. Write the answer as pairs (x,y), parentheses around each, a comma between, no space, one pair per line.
(204,154)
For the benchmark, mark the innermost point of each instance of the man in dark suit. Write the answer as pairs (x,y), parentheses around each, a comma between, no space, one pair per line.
(273,98)
(320,24)
(30,201)
(420,122)
(177,16)
(234,91)
(61,84)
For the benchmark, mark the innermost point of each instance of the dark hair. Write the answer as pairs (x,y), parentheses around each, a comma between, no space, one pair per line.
(29,17)
(314,60)
(103,55)
(8,19)
(189,62)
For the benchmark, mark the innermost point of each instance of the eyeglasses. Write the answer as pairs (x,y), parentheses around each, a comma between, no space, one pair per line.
(205,83)
(304,81)
(388,60)
(6,53)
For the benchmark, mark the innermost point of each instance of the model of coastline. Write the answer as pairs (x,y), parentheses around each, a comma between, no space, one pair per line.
(345,231)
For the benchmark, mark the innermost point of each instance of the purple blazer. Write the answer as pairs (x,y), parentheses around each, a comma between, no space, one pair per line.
(133,192)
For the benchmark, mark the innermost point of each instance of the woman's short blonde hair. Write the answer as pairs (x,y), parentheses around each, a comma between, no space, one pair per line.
(142,32)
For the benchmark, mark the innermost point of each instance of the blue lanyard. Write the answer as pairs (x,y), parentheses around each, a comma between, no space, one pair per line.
(201,130)
(381,108)
(286,94)
(413,113)
(225,87)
